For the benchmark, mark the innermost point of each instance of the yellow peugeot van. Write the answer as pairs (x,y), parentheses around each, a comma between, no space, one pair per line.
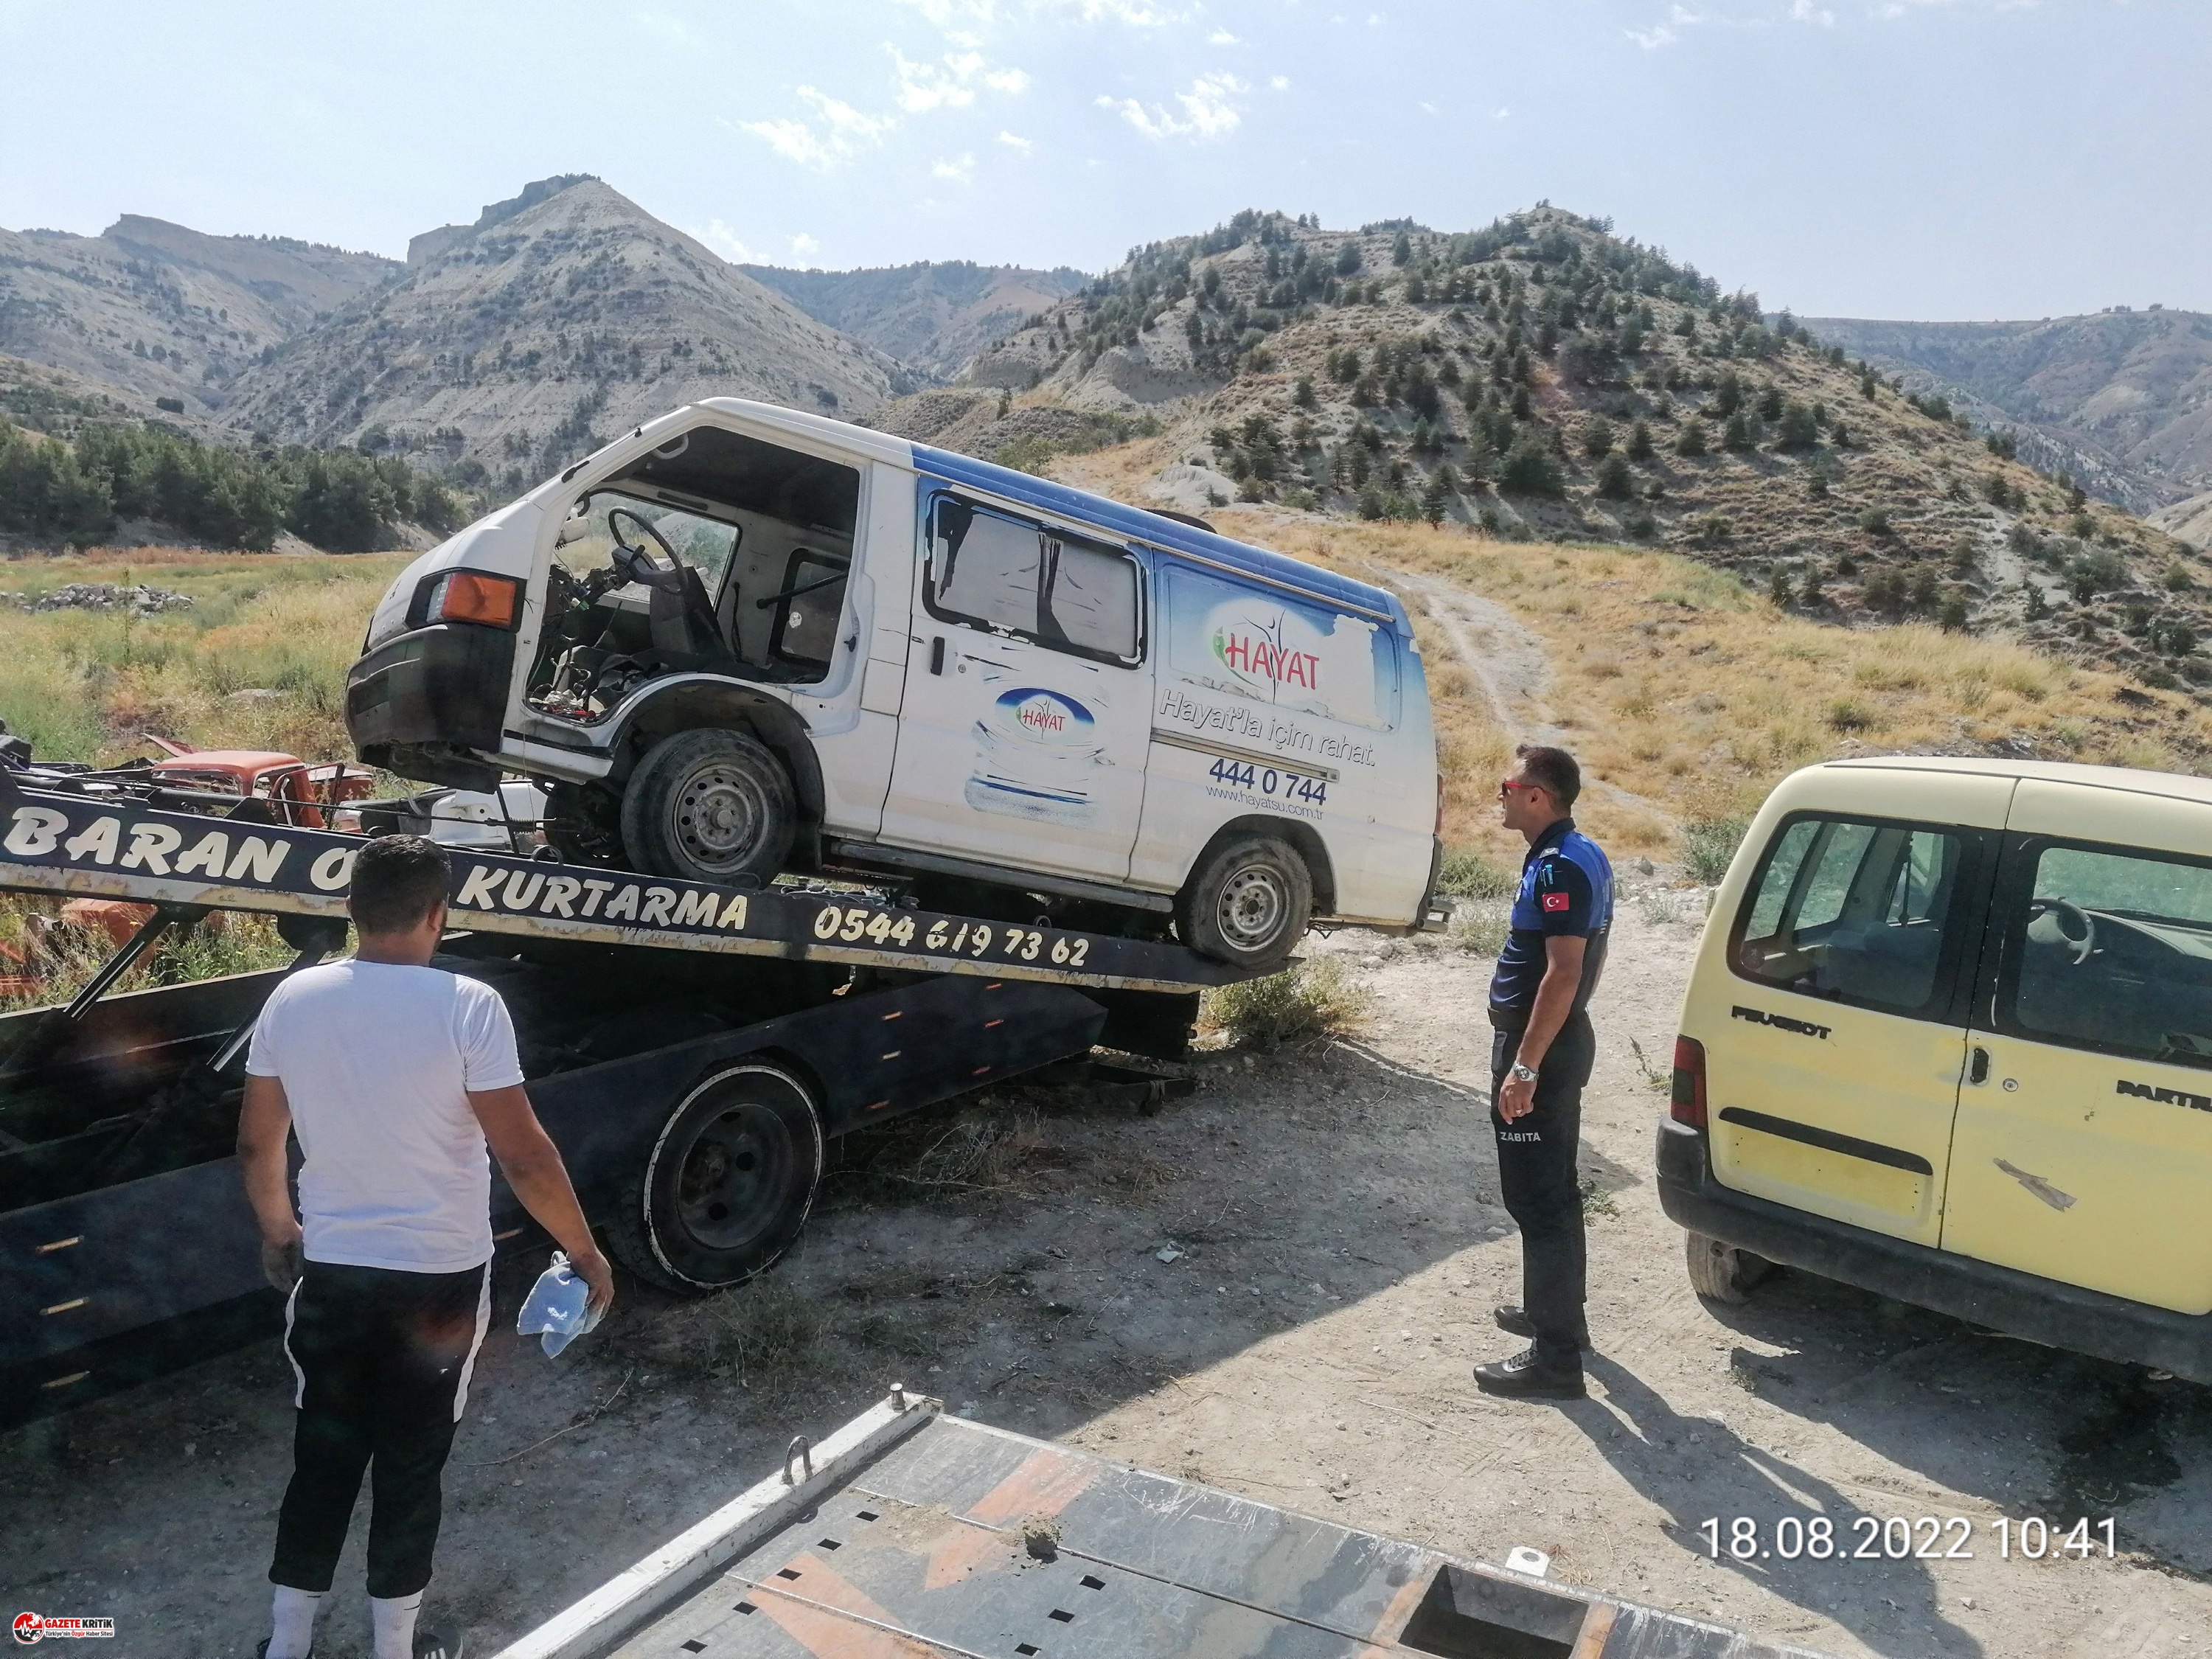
(1949,1038)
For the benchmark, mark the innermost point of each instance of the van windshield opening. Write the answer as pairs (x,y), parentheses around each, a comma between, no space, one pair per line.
(716,552)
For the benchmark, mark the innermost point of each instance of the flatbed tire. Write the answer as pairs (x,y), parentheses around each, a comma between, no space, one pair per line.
(726,1184)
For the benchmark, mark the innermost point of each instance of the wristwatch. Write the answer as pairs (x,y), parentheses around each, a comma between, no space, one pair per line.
(1521,1073)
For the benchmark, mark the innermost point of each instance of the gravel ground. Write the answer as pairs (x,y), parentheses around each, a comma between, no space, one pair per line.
(1336,1251)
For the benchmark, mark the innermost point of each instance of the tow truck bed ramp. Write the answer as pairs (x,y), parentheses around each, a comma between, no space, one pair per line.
(909,1534)
(116,845)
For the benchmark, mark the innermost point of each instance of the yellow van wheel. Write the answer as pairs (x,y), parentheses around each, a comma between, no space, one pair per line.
(1722,1272)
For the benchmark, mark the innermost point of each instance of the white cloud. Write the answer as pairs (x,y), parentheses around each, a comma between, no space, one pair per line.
(962,15)
(803,245)
(1279,82)
(726,242)
(1207,111)
(1221,38)
(1015,141)
(950,83)
(1667,34)
(1804,11)
(1500,114)
(840,132)
(1428,107)
(957,168)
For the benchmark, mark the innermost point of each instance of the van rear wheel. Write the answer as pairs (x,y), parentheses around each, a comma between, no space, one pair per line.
(1247,903)
(1722,1272)
(708,805)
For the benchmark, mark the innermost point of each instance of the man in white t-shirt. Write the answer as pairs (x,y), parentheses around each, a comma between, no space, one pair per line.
(394,1075)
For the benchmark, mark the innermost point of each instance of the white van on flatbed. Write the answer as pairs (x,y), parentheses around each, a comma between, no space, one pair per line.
(744,640)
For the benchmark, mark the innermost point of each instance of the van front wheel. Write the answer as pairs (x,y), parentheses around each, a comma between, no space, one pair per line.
(1247,904)
(1722,1272)
(708,805)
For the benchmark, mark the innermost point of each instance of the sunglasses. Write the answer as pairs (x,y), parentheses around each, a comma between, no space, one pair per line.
(1506,786)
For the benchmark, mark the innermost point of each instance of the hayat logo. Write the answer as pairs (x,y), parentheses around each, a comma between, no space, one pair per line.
(1045,716)
(1261,658)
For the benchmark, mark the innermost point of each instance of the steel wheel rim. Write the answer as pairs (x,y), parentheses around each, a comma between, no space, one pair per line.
(1253,906)
(730,1176)
(718,816)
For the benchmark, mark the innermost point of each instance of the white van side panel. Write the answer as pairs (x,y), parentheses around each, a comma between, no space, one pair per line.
(1273,706)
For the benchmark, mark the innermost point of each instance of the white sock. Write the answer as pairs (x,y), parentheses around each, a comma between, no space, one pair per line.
(292,1622)
(394,1617)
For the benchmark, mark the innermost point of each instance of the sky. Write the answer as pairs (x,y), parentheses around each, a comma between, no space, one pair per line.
(1925,159)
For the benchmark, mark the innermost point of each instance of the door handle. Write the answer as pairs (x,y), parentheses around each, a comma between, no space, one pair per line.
(1978,1066)
(937,655)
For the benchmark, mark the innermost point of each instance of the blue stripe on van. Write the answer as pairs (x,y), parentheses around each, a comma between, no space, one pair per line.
(1048,496)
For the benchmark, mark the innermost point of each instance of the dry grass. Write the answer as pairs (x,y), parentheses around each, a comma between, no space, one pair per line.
(88,685)
(1675,684)
(84,685)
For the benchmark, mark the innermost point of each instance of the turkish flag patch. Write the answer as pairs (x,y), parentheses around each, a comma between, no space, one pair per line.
(1557,901)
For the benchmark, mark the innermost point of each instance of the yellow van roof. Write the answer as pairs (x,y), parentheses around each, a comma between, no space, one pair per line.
(2179,786)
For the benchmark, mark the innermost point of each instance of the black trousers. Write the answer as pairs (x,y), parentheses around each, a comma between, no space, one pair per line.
(1537,1180)
(383,1361)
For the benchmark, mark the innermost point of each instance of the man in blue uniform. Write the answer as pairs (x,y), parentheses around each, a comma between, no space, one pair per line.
(1540,1058)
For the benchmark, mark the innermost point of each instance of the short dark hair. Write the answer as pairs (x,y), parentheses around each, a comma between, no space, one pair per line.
(1551,770)
(397,881)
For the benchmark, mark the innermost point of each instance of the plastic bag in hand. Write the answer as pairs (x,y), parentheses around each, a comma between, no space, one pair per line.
(558,1309)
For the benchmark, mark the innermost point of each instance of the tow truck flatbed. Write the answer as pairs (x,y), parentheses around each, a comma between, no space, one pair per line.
(116,844)
(910,1534)
(691,1049)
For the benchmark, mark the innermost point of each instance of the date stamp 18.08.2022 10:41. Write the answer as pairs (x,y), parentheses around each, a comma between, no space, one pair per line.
(1901,1538)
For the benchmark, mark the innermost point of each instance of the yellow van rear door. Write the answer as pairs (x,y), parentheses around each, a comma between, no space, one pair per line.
(1833,1087)
(2083,1150)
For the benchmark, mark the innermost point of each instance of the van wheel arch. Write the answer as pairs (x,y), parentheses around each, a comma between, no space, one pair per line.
(696,705)
(1304,840)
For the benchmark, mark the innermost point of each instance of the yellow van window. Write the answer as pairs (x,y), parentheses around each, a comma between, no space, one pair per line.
(1850,910)
(2114,951)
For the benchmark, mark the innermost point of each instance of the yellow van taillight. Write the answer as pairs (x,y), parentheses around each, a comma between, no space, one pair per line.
(1687,1100)
(470,596)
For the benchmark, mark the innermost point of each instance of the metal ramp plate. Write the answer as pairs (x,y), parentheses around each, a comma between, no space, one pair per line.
(967,1542)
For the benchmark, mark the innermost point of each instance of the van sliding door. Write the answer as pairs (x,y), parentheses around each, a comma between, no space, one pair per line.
(1027,718)
(2084,1144)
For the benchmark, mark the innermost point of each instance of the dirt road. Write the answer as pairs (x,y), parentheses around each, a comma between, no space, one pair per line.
(1339,1254)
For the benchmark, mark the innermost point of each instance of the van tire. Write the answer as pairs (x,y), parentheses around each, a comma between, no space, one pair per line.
(1247,903)
(709,806)
(727,1183)
(1722,1272)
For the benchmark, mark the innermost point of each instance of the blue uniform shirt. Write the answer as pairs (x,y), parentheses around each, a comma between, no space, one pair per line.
(1567,890)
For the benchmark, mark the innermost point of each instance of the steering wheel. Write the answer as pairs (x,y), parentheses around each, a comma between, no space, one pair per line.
(2069,926)
(628,559)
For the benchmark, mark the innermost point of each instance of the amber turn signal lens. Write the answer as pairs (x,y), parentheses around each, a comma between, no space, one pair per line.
(467,596)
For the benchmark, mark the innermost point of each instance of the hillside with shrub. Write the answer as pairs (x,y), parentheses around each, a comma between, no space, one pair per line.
(2122,400)
(1545,379)
(115,479)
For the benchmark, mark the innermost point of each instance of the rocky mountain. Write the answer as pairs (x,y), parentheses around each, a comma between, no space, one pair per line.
(525,342)
(933,317)
(152,310)
(2121,400)
(1545,379)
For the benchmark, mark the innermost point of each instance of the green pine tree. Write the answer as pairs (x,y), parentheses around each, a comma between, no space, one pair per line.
(1690,440)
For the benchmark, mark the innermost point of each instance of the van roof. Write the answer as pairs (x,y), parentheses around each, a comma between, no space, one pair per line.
(2177,785)
(1046,496)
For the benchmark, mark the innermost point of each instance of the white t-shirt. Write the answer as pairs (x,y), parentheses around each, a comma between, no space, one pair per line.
(377,1060)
